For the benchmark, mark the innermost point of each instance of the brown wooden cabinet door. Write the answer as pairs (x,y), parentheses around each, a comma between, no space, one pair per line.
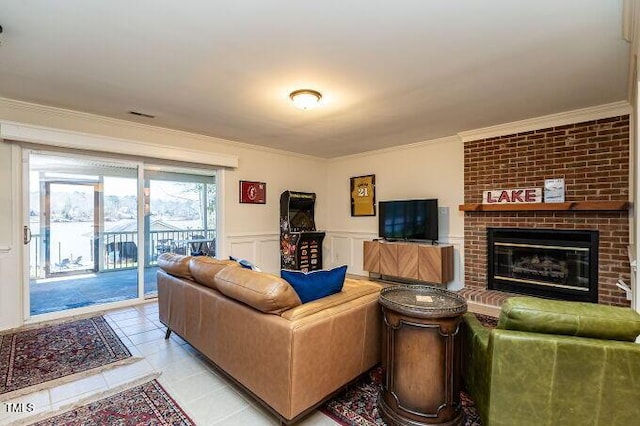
(408,261)
(430,264)
(371,258)
(389,259)
(435,264)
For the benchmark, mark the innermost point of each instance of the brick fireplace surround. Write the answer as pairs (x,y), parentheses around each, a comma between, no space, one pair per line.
(592,157)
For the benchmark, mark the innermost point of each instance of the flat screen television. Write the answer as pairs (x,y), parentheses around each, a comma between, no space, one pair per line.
(408,220)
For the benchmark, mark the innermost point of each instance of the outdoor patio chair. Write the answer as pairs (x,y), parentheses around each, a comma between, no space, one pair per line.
(64,263)
(200,248)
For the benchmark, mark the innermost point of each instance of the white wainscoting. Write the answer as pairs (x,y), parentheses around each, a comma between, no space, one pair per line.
(10,290)
(339,248)
(458,261)
(263,250)
(346,248)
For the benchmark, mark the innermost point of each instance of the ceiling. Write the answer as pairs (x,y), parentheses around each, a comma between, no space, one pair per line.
(391,73)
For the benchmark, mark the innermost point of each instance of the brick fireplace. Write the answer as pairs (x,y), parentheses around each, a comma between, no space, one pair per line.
(592,157)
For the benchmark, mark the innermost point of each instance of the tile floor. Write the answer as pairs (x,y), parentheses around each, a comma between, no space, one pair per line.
(207,397)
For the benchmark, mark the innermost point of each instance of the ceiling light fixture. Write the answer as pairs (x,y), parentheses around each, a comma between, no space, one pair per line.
(305,98)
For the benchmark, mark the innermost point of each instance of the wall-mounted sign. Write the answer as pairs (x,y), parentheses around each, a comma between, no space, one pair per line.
(363,195)
(520,195)
(554,190)
(253,192)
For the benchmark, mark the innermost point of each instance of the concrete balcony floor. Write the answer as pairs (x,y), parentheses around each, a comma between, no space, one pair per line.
(75,291)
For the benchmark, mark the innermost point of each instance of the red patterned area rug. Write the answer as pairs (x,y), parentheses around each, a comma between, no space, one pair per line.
(147,404)
(487,321)
(358,404)
(43,357)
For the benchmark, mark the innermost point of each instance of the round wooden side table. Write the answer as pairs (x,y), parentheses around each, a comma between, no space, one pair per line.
(421,356)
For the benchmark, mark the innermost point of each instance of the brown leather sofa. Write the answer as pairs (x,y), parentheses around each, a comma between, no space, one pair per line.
(253,327)
(551,362)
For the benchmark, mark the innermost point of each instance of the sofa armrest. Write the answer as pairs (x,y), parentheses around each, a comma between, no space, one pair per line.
(476,370)
(480,332)
(539,379)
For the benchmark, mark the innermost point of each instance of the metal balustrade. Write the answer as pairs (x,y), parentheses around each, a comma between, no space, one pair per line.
(119,251)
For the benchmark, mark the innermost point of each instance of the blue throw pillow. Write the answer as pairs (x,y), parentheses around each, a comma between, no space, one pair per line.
(315,284)
(245,264)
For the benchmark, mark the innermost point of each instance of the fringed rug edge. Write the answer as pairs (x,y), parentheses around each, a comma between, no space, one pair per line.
(67,379)
(90,399)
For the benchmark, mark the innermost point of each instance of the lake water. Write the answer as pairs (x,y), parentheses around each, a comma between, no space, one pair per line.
(73,240)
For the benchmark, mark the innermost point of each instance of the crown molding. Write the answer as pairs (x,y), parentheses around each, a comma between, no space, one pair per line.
(45,111)
(576,116)
(447,139)
(351,233)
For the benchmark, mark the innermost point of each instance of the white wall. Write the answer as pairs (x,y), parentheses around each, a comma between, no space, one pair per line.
(431,169)
(10,290)
(5,196)
(250,230)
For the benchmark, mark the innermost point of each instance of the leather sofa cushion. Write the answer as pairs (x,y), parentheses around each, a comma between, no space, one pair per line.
(265,292)
(175,264)
(569,318)
(351,290)
(205,268)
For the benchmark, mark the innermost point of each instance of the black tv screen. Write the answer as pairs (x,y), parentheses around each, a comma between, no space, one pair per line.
(408,220)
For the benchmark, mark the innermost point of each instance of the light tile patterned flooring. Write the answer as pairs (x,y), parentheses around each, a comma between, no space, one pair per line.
(206,396)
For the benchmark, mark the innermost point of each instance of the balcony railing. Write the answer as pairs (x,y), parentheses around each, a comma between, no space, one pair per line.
(120,251)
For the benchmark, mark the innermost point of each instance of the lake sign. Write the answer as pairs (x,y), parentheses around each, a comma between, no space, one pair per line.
(512,196)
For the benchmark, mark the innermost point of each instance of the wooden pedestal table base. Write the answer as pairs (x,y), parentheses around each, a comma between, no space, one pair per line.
(421,356)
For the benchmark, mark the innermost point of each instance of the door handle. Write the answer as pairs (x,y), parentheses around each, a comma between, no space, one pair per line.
(26,235)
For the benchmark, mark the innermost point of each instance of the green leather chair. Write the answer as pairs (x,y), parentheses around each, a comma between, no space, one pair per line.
(555,363)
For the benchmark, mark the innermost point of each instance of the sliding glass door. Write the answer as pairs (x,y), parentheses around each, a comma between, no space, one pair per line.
(83,225)
(97,227)
(180,217)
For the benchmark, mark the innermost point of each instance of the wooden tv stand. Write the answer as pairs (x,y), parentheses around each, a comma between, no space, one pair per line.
(413,261)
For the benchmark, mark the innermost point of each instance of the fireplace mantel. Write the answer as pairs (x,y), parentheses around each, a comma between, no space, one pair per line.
(568,206)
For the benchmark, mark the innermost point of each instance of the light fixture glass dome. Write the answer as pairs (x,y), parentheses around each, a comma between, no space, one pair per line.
(305,98)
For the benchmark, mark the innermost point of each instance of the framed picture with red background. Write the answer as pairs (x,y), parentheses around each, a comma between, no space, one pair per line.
(253,192)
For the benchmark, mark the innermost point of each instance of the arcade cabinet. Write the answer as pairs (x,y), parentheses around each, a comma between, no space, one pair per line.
(300,243)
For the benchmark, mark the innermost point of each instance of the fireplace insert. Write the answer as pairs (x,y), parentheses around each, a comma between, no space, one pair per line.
(552,263)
